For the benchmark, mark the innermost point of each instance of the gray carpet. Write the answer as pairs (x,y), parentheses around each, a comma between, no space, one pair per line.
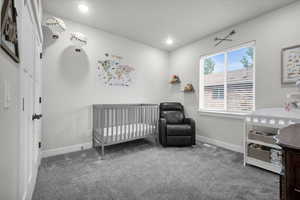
(140,170)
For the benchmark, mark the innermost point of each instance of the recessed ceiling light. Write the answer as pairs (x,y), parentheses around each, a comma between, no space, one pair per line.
(83,8)
(169,41)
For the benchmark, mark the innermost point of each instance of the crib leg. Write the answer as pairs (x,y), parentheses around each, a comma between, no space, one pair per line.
(102,152)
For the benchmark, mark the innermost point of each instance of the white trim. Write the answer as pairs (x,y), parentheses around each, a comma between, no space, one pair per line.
(30,189)
(240,116)
(220,143)
(233,48)
(36,21)
(67,149)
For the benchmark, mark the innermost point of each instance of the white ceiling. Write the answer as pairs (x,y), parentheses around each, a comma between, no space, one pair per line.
(152,21)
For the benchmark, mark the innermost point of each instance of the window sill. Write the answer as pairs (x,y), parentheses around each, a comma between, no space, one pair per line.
(240,116)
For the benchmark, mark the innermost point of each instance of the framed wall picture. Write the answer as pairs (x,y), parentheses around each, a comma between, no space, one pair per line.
(290,64)
(9,33)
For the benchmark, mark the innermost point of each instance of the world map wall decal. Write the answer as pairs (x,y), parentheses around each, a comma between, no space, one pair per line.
(113,72)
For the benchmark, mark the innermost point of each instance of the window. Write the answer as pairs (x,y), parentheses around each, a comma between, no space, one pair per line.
(227,81)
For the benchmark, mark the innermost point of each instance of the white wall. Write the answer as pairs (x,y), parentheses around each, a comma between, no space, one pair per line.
(9,127)
(70,86)
(9,119)
(272,32)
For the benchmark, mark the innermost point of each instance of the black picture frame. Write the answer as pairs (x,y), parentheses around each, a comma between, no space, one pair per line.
(9,30)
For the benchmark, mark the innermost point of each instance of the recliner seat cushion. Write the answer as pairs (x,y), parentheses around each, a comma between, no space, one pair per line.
(173,117)
(179,130)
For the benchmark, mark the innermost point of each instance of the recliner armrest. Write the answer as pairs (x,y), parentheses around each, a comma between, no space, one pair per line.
(189,121)
(162,131)
(192,123)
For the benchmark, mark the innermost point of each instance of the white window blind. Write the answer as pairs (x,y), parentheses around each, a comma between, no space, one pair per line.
(227,81)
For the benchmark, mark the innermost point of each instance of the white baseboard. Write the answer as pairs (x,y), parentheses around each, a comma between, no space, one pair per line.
(68,149)
(222,144)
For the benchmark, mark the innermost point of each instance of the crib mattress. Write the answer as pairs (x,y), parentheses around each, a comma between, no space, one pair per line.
(128,131)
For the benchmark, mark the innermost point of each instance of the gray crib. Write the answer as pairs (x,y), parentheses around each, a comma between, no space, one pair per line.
(118,123)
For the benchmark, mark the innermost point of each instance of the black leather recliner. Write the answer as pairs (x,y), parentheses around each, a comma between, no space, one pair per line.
(174,128)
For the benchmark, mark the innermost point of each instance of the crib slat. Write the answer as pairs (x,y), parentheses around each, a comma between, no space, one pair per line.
(109,125)
(136,125)
(116,125)
(125,122)
(145,123)
(110,130)
(141,120)
(137,122)
(120,121)
(130,122)
(132,132)
(151,120)
(101,122)
(121,124)
(148,119)
(95,125)
(133,123)
(106,125)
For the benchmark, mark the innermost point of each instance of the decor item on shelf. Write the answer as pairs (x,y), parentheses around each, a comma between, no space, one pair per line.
(226,38)
(56,25)
(293,99)
(9,33)
(113,72)
(189,88)
(79,40)
(175,79)
(290,57)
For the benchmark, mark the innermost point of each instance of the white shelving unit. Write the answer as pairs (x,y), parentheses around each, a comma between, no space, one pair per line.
(274,118)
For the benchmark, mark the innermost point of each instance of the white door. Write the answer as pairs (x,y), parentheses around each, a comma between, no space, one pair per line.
(37,103)
(30,92)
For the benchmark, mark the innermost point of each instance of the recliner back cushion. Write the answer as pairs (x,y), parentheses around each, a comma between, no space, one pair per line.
(173,117)
(171,106)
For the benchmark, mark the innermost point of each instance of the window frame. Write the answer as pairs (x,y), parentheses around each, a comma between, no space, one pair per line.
(225,112)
